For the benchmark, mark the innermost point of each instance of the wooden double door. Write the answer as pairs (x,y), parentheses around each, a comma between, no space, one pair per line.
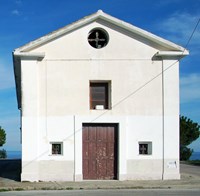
(100,150)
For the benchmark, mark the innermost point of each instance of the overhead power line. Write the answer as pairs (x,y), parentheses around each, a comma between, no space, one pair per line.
(133,92)
(195,28)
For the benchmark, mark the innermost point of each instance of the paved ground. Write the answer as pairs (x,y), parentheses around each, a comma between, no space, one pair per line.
(190,169)
(127,192)
(10,172)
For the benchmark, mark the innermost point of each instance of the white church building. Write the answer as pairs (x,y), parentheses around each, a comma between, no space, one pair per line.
(99,100)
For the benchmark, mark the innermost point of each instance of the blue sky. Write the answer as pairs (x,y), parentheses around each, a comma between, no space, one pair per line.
(25,20)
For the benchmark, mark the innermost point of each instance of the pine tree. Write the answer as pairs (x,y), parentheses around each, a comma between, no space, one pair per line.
(189,132)
(3,153)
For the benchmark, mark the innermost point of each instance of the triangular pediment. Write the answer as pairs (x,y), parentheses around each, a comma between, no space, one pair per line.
(104,18)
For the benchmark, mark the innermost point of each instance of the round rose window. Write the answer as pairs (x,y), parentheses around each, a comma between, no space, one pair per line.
(98,38)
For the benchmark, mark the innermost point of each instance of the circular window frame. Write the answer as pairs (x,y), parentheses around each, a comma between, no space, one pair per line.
(98,38)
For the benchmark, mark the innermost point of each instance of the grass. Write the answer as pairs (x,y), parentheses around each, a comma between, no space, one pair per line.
(56,188)
(4,190)
(11,189)
(19,189)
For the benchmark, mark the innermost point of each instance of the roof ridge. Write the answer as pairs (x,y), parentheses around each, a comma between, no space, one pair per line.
(106,17)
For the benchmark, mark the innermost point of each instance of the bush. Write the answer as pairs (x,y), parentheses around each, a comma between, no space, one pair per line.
(2,136)
(189,132)
(3,154)
(185,153)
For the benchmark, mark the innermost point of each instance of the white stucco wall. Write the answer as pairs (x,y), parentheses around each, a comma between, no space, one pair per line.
(171,119)
(55,103)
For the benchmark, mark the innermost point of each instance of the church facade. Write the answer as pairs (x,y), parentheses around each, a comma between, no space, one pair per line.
(99,100)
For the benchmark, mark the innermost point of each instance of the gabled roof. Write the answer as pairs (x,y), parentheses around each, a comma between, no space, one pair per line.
(105,17)
(171,49)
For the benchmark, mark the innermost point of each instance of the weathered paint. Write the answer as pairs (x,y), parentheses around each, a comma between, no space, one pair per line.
(100,151)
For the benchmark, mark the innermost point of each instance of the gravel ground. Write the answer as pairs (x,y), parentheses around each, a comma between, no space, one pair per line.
(10,180)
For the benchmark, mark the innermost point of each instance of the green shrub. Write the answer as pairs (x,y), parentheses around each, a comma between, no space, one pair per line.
(3,154)
(2,136)
(185,153)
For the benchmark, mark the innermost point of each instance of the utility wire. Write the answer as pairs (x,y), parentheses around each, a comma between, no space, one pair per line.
(149,81)
(195,28)
(145,84)
(134,92)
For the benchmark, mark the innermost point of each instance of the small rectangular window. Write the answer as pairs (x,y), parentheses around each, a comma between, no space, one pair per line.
(145,148)
(99,95)
(56,148)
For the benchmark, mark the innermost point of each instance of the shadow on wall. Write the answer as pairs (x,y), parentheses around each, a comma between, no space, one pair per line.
(10,169)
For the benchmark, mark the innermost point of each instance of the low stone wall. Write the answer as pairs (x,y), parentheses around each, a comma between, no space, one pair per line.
(10,169)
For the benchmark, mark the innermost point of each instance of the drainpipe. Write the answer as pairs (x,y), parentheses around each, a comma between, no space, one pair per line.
(163,122)
(74,148)
(20,110)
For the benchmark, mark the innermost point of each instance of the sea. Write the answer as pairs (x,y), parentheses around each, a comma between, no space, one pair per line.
(14,154)
(18,155)
(195,156)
